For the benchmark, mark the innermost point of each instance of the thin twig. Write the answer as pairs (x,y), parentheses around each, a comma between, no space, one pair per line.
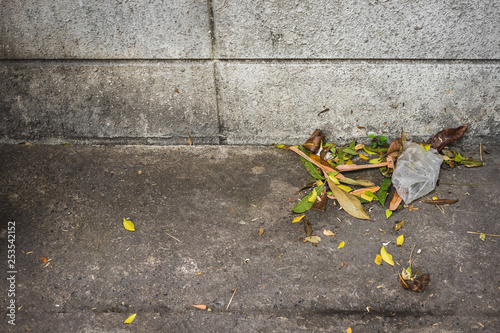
(279,269)
(413,248)
(98,240)
(228,304)
(173,237)
(479,233)
(481,151)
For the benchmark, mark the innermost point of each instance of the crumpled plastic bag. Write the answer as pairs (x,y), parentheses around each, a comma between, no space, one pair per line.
(416,172)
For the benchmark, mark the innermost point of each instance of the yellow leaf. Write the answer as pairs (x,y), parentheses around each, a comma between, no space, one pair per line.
(435,198)
(345,188)
(386,256)
(375,161)
(427,146)
(313,239)
(200,306)
(313,196)
(130,319)
(334,179)
(349,330)
(363,156)
(341,245)
(349,202)
(369,152)
(298,218)
(378,259)
(328,233)
(348,162)
(400,240)
(388,213)
(366,197)
(482,236)
(128,225)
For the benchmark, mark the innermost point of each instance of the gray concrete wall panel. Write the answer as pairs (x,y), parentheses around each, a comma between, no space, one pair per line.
(280,102)
(153,102)
(105,29)
(350,29)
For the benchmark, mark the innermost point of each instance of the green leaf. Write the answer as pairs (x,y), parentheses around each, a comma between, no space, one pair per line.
(349,150)
(311,168)
(371,194)
(382,193)
(382,139)
(388,213)
(348,202)
(304,204)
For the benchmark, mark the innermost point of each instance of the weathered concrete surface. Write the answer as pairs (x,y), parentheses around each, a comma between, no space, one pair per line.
(328,29)
(64,29)
(68,203)
(122,102)
(280,102)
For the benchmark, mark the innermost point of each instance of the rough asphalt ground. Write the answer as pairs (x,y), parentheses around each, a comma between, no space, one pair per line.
(68,204)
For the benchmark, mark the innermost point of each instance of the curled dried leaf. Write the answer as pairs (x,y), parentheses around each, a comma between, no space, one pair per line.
(314,141)
(447,136)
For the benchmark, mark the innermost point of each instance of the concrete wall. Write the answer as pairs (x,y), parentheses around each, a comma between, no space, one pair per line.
(246,72)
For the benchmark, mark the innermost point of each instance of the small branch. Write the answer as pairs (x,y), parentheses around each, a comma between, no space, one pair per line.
(479,233)
(173,237)
(411,253)
(98,241)
(228,304)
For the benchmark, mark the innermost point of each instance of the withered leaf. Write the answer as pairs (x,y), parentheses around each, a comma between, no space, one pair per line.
(321,200)
(399,225)
(396,200)
(441,201)
(308,227)
(418,284)
(261,230)
(349,202)
(395,147)
(447,136)
(314,141)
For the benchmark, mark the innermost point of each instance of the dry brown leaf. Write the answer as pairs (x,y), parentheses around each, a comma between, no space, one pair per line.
(314,141)
(44,259)
(396,200)
(321,200)
(354,167)
(190,141)
(399,225)
(447,136)
(395,147)
(261,230)
(200,306)
(307,227)
(328,233)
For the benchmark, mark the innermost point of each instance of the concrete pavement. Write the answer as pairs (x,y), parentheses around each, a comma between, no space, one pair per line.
(197,211)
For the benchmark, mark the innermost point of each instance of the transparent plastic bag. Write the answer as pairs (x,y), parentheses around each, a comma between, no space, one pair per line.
(417,171)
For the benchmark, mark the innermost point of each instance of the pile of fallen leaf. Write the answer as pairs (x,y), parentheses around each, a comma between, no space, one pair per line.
(327,164)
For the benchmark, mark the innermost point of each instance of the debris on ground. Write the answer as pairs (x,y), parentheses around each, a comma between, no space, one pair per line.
(411,168)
